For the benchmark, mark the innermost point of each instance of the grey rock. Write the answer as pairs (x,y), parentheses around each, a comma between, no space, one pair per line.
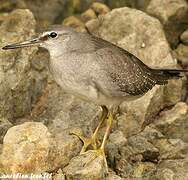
(4,126)
(88,15)
(173,18)
(100,8)
(184,37)
(171,170)
(141,170)
(137,4)
(87,166)
(45,12)
(113,176)
(59,175)
(19,84)
(75,23)
(181,53)
(173,123)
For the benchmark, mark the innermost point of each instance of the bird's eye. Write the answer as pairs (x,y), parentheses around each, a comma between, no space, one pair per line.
(53,34)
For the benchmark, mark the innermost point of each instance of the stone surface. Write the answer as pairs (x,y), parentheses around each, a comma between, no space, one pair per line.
(174,18)
(75,23)
(31,147)
(59,175)
(28,148)
(88,15)
(100,8)
(87,166)
(137,4)
(174,123)
(181,53)
(19,83)
(171,170)
(184,37)
(4,126)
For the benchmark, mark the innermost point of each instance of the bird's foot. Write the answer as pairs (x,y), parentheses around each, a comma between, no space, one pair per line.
(87,141)
(93,154)
(92,141)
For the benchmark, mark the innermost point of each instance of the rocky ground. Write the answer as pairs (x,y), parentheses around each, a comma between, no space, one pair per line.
(149,138)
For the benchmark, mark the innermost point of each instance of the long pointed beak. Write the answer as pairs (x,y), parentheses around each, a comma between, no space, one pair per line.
(32,42)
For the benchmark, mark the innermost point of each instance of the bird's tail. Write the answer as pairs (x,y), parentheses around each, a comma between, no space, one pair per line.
(162,76)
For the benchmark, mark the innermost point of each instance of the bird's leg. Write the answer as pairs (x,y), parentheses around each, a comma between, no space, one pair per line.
(93,139)
(100,151)
(109,124)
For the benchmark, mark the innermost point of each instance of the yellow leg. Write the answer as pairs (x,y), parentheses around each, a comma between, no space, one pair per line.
(109,124)
(100,151)
(93,140)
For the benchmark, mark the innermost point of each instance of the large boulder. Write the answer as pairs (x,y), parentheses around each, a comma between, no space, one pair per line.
(31,148)
(20,84)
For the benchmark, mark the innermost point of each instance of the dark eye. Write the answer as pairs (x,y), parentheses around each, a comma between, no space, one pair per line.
(53,34)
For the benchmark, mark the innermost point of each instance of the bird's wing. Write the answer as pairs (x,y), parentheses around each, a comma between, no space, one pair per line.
(127,72)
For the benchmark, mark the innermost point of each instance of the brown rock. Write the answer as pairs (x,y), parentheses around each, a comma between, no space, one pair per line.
(88,15)
(181,54)
(173,18)
(18,83)
(28,148)
(75,23)
(100,8)
(173,123)
(90,165)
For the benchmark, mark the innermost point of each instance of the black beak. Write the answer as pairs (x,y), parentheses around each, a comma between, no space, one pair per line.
(28,43)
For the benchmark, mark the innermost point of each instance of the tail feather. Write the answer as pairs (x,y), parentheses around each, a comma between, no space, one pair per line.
(162,76)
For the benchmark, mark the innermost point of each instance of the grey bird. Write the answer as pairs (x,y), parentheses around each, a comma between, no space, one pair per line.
(96,71)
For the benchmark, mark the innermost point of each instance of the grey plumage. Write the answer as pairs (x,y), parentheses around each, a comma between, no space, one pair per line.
(97,70)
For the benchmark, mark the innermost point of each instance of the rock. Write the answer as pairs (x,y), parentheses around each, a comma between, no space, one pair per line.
(46,13)
(36,149)
(88,15)
(100,8)
(75,23)
(9,5)
(113,176)
(173,18)
(87,166)
(141,4)
(141,145)
(3,16)
(184,37)
(18,83)
(181,53)
(173,123)
(142,168)
(28,148)
(171,148)
(171,170)
(130,28)
(4,126)
(59,175)
(119,3)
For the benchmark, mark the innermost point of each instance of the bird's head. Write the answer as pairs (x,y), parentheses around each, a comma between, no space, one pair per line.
(52,39)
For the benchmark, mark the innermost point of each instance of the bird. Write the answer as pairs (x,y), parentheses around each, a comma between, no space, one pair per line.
(96,71)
